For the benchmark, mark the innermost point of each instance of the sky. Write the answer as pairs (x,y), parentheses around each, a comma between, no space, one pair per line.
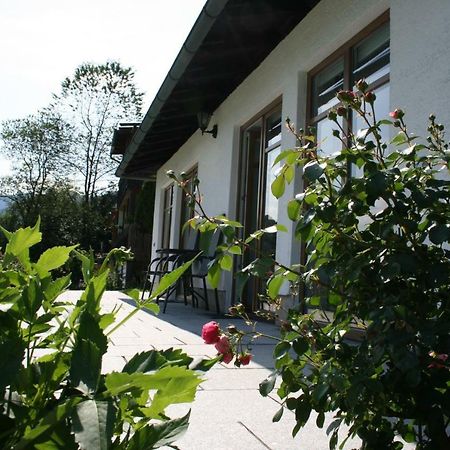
(43,41)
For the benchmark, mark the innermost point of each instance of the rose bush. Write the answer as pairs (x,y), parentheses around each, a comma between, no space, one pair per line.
(377,264)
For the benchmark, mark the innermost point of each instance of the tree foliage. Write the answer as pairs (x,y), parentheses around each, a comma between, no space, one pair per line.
(93,101)
(35,146)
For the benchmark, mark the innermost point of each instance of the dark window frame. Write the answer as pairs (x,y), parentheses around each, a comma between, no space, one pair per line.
(345,52)
(190,175)
(242,212)
(168,200)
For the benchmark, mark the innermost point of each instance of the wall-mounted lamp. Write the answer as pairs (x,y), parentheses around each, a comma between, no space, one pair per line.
(203,122)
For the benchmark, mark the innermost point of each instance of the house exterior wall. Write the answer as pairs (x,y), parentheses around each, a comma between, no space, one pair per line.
(419,70)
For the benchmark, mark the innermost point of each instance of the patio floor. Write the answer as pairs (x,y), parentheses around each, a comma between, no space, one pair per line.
(228,413)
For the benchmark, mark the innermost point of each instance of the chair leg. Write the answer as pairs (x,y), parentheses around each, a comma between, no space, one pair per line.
(205,290)
(216,296)
(185,289)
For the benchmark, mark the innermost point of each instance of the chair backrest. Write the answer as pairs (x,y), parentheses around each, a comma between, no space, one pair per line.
(200,266)
(192,239)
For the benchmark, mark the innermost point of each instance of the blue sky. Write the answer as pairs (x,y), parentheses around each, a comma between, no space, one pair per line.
(43,41)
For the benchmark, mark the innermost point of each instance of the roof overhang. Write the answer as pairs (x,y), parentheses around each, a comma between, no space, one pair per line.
(227,42)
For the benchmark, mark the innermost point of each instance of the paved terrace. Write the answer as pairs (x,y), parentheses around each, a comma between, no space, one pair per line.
(228,412)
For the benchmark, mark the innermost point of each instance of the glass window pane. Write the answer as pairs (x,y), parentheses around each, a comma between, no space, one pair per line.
(273,129)
(167,216)
(268,242)
(371,56)
(326,142)
(325,85)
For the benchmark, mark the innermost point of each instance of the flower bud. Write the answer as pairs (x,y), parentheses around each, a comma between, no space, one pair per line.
(370,97)
(336,133)
(232,329)
(346,96)
(341,111)
(332,115)
(432,118)
(397,114)
(171,174)
(361,85)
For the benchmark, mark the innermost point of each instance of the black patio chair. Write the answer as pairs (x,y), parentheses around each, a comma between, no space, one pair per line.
(167,260)
(199,271)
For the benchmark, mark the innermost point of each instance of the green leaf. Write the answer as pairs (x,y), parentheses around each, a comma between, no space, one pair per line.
(313,170)
(173,384)
(320,419)
(94,292)
(283,155)
(226,262)
(278,415)
(13,352)
(170,279)
(22,239)
(274,285)
(154,360)
(87,265)
(294,209)
(48,422)
(135,294)
(277,187)
(93,424)
(266,386)
(439,233)
(214,275)
(319,392)
(400,139)
(158,435)
(281,349)
(85,366)
(57,287)
(31,299)
(52,259)
(289,174)
(300,345)
(235,249)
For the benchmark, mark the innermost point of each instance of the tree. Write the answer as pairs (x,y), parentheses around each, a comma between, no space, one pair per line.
(93,101)
(35,146)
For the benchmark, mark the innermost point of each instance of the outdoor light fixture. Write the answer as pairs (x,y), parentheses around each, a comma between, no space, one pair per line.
(203,118)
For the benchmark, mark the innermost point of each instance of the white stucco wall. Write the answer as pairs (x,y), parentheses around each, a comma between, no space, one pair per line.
(420,55)
(420,79)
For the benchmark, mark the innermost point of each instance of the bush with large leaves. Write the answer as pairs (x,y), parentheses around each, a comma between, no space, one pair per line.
(53,393)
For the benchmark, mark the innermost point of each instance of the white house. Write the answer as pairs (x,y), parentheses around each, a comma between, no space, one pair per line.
(251,64)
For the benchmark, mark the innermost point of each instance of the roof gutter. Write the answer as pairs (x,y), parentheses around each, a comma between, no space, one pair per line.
(199,31)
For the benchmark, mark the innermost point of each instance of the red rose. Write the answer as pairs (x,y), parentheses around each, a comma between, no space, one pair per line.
(223,345)
(227,357)
(211,332)
(245,359)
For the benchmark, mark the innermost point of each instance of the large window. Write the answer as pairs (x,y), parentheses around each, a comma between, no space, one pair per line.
(366,56)
(258,208)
